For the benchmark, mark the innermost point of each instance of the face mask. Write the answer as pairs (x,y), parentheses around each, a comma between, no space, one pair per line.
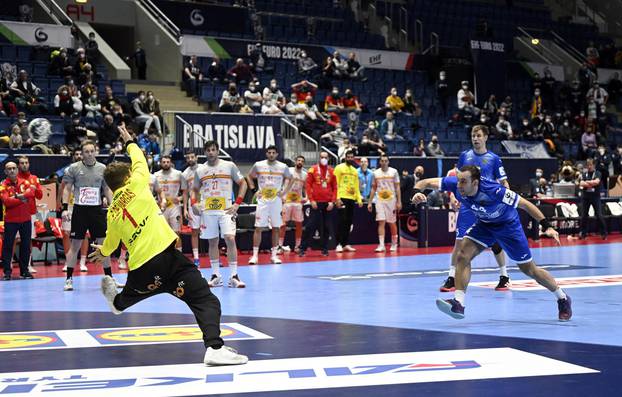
(601,151)
(335,93)
(525,123)
(565,124)
(324,161)
(64,93)
(141,97)
(273,86)
(483,119)
(418,174)
(434,141)
(372,126)
(94,97)
(393,92)
(150,97)
(70,82)
(293,99)
(253,89)
(538,174)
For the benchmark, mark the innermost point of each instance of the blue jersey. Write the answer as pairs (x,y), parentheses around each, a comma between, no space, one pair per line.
(489,164)
(492,203)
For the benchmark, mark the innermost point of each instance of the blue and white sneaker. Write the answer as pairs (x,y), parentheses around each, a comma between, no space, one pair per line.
(451,307)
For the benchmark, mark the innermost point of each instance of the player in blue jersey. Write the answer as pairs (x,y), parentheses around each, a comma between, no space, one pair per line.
(490,167)
(494,207)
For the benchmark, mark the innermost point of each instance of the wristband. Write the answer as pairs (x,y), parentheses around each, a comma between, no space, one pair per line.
(128,142)
(238,200)
(65,207)
(545,224)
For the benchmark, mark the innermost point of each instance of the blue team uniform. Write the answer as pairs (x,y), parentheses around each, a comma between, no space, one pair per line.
(490,167)
(497,219)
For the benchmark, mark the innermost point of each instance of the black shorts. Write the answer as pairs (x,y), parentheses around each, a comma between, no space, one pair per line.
(86,217)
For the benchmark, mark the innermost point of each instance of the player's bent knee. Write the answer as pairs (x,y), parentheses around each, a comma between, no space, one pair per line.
(527,268)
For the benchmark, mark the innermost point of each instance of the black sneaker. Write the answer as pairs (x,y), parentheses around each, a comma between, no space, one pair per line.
(324,252)
(301,252)
(7,277)
(564,306)
(449,285)
(504,284)
(26,276)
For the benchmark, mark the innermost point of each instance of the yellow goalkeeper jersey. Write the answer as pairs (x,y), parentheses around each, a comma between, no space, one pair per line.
(134,217)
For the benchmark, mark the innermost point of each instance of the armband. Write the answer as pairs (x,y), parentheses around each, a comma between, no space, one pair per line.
(545,224)
(238,200)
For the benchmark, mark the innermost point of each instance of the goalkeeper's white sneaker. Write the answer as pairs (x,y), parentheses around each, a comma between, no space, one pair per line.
(223,356)
(109,289)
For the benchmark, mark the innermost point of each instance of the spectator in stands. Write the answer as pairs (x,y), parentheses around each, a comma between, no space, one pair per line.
(22,124)
(592,111)
(525,131)
(352,108)
(592,55)
(216,72)
(548,90)
(366,178)
(484,119)
(508,106)
(87,89)
(536,104)
(92,107)
(419,149)
(64,103)
(566,132)
(411,107)
(140,61)
(465,96)
(253,97)
(602,161)
(92,48)
(294,108)
(598,94)
(371,142)
(108,133)
(328,70)
(616,160)
(393,102)
(192,77)
(314,122)
(581,121)
(15,140)
(26,94)
(389,128)
(586,77)
(304,89)
(490,107)
(536,82)
(588,143)
(340,65)
(259,60)
(348,145)
(614,87)
(75,132)
(442,91)
(306,65)
(241,72)
(74,90)
(504,128)
(60,65)
(5,96)
(434,148)
(273,99)
(355,70)
(230,101)
(109,101)
(335,139)
(333,103)
(142,114)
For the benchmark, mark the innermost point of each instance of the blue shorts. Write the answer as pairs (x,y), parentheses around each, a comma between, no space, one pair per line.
(466,219)
(509,235)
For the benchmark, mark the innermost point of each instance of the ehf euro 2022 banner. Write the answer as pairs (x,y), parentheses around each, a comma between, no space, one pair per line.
(35,34)
(202,46)
(244,137)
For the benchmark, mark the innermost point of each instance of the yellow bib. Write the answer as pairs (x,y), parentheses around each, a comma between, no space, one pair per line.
(215,203)
(385,195)
(268,193)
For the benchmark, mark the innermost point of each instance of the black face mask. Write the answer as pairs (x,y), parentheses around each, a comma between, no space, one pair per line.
(418,174)
(233,91)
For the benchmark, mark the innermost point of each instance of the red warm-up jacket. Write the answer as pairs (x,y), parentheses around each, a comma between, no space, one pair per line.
(316,191)
(31,179)
(16,210)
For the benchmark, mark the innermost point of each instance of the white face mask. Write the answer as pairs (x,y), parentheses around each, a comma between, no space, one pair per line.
(323,161)
(538,174)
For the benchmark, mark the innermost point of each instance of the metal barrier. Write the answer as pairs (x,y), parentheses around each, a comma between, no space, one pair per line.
(166,23)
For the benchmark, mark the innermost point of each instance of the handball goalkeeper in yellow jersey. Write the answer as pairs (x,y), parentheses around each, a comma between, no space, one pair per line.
(134,218)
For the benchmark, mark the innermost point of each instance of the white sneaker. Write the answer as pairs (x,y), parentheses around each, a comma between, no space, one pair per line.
(286,248)
(65,268)
(349,248)
(338,248)
(393,248)
(83,267)
(253,260)
(109,289)
(275,259)
(215,281)
(119,285)
(380,248)
(223,356)
(31,269)
(68,285)
(235,282)
(122,265)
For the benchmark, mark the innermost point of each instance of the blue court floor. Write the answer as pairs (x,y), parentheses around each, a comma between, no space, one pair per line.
(356,327)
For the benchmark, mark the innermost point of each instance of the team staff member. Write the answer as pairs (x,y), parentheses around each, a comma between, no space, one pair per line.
(273,180)
(16,194)
(23,165)
(590,186)
(169,181)
(348,192)
(212,191)
(366,178)
(321,190)
(194,221)
(292,209)
(388,197)
(155,265)
(86,180)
